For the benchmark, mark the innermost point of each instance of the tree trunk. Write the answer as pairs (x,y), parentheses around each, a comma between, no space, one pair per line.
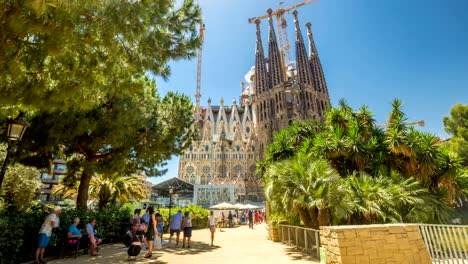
(313,217)
(83,189)
(304,215)
(324,217)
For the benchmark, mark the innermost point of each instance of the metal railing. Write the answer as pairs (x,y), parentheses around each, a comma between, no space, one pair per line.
(446,243)
(306,239)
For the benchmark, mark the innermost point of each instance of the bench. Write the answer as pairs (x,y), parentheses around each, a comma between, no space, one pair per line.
(74,244)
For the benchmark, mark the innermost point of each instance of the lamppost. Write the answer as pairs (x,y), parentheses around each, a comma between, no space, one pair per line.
(171,191)
(15,131)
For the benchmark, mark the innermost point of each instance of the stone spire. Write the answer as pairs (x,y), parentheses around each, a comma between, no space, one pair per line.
(304,72)
(317,71)
(261,79)
(274,56)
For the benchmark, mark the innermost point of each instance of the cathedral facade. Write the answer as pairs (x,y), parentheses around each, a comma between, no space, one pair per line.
(232,137)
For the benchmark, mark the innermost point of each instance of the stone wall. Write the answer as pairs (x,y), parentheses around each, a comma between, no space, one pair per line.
(361,244)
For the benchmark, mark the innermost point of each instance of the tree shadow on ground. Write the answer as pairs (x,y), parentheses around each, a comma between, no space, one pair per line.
(196,247)
(297,254)
(113,254)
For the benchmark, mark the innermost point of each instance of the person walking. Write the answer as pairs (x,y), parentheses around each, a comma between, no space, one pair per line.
(187,223)
(44,234)
(175,224)
(151,232)
(250,215)
(230,219)
(212,225)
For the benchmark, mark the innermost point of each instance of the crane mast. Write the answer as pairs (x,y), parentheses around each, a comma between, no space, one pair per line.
(199,65)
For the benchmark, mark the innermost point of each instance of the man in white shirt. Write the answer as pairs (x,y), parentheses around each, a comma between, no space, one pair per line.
(212,223)
(45,233)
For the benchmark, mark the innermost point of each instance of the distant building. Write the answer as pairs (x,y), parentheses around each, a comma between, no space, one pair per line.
(49,178)
(232,137)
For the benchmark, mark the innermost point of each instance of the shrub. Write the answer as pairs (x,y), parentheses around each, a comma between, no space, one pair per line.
(20,229)
(200,221)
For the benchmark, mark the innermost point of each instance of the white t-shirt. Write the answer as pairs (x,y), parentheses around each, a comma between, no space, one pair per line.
(212,220)
(47,225)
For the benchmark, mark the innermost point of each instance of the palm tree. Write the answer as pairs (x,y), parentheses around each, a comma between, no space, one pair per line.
(108,188)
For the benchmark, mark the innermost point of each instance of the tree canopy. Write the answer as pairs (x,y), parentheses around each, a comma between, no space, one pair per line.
(61,54)
(124,135)
(457,125)
(348,170)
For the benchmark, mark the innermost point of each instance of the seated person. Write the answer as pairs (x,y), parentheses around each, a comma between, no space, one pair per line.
(93,241)
(74,234)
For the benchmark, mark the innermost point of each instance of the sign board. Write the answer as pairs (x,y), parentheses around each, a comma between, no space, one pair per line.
(323,255)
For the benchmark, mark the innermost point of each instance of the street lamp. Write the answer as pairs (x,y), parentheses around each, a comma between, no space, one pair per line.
(171,191)
(15,131)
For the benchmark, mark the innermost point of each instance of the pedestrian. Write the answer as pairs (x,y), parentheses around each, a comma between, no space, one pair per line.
(146,217)
(187,223)
(136,220)
(230,218)
(160,225)
(141,232)
(175,224)
(151,232)
(45,232)
(223,219)
(212,225)
(250,215)
(94,242)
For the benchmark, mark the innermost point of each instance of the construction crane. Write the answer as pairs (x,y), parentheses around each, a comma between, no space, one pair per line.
(199,64)
(285,47)
(417,123)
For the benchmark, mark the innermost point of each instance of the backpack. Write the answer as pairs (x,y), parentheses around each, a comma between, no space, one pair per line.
(133,250)
(135,247)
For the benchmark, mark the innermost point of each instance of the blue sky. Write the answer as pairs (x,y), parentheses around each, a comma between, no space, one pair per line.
(372,52)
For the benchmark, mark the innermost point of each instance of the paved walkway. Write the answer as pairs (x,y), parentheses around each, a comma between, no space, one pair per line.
(237,245)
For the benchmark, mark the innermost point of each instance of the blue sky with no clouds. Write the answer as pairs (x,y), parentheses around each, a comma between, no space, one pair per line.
(372,51)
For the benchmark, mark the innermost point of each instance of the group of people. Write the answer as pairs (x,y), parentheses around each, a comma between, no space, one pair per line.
(253,217)
(150,227)
(74,235)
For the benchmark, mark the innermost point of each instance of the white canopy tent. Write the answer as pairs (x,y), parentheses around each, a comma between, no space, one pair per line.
(250,206)
(223,206)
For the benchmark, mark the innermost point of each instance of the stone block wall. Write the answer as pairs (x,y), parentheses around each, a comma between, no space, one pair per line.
(374,244)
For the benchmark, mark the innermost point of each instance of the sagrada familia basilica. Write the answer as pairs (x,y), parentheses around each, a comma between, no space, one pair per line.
(234,135)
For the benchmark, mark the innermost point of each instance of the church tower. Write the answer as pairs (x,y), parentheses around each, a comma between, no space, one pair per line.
(300,93)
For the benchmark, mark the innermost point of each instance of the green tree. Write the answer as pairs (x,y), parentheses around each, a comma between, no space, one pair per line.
(124,135)
(457,126)
(389,173)
(106,188)
(20,184)
(59,54)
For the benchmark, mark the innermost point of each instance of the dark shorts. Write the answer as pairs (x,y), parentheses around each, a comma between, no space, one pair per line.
(187,232)
(177,231)
(43,240)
